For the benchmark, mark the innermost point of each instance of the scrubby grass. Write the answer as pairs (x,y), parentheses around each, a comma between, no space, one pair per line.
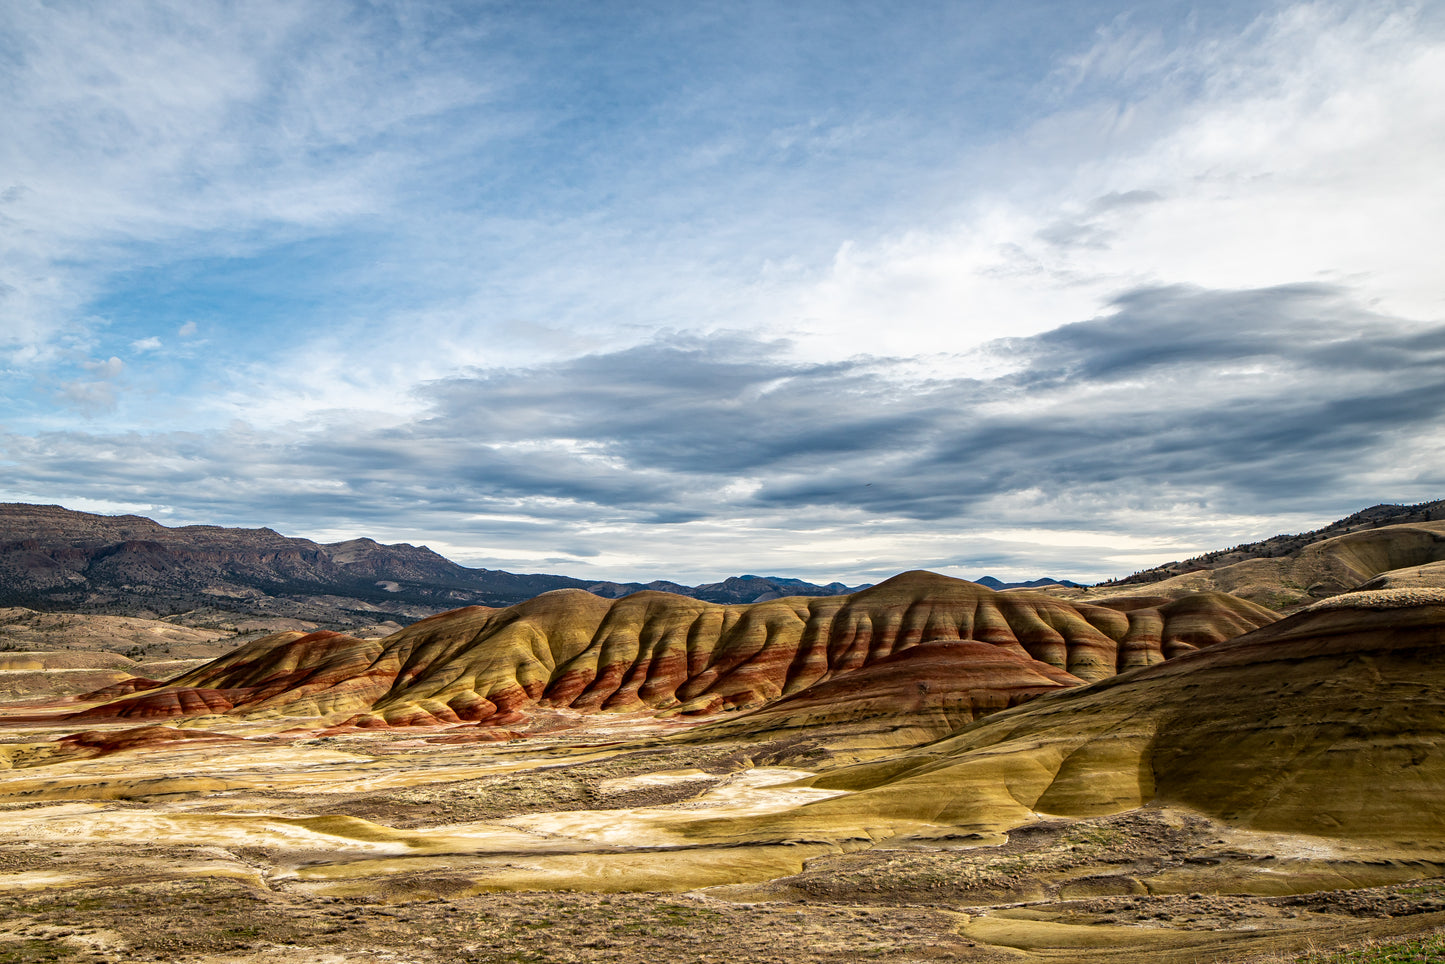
(1417,950)
(32,952)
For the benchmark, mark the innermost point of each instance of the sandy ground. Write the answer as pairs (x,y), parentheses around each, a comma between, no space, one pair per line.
(581,846)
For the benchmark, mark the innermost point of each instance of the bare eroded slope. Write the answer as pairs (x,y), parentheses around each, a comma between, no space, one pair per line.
(660,653)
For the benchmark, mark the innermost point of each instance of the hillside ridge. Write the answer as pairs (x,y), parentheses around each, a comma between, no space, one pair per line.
(660,653)
(1285,544)
(58,559)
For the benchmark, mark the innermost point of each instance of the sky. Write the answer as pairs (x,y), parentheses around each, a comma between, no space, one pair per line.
(640,290)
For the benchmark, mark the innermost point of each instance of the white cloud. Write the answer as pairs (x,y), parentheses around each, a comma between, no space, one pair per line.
(196,128)
(1310,147)
(106,368)
(97,393)
(1305,148)
(1118,442)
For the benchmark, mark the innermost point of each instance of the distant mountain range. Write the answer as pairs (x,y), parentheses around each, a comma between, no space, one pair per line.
(57,559)
(997,584)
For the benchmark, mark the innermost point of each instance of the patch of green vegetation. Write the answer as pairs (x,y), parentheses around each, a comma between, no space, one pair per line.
(1281,600)
(34,950)
(1418,950)
(680,914)
(73,905)
(1095,836)
(1430,889)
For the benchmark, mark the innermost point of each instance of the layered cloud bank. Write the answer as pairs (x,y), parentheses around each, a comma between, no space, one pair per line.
(1178,404)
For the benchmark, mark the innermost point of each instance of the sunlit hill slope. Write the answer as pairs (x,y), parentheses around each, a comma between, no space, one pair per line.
(665,654)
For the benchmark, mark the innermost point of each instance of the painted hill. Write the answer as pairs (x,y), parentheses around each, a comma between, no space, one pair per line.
(909,697)
(1330,722)
(665,654)
(55,559)
(932,689)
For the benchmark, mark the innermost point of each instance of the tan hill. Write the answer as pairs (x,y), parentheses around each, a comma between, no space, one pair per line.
(1329,723)
(1403,556)
(1387,544)
(1288,544)
(143,639)
(665,654)
(79,675)
(39,675)
(52,655)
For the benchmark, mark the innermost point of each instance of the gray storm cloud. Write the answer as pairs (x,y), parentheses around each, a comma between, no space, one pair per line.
(1232,399)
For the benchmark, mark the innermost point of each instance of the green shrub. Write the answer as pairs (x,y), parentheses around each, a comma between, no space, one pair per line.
(1415,950)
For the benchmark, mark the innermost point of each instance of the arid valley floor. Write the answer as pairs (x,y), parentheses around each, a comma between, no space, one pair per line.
(377,848)
(924,770)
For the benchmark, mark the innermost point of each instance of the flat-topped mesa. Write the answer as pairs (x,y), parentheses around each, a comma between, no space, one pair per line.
(667,654)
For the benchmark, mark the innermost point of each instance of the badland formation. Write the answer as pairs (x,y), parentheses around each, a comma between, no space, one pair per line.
(230,745)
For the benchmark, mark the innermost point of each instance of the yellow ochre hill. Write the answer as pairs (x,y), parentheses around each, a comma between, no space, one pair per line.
(664,654)
(1329,723)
